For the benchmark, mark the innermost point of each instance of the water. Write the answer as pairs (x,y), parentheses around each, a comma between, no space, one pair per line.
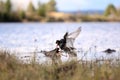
(28,37)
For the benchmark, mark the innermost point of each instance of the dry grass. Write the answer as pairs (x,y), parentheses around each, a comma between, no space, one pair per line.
(13,69)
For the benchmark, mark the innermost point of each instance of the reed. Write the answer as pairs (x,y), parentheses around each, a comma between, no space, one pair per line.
(11,68)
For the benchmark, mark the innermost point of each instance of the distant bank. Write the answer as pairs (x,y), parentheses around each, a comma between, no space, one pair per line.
(85,12)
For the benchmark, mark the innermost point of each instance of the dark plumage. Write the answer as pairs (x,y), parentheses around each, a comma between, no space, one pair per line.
(66,44)
(62,42)
(109,51)
(54,54)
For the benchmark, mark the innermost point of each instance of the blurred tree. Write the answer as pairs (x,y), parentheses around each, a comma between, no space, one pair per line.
(110,10)
(118,11)
(51,6)
(5,9)
(2,5)
(1,10)
(21,14)
(30,8)
(41,9)
(8,6)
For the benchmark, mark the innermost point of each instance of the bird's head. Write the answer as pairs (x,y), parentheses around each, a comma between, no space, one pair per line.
(57,42)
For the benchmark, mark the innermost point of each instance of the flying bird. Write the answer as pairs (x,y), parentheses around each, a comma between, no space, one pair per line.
(67,43)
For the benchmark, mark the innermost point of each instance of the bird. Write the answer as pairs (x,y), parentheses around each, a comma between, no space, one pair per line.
(54,55)
(67,43)
(109,51)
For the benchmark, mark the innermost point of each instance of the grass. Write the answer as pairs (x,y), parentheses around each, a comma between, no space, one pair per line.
(13,69)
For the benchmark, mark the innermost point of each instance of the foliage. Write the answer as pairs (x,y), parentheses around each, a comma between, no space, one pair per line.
(22,14)
(6,15)
(31,8)
(44,13)
(110,10)
(2,7)
(41,10)
(119,11)
(8,6)
(51,6)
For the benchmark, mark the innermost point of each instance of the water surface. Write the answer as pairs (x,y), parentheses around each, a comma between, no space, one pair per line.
(26,37)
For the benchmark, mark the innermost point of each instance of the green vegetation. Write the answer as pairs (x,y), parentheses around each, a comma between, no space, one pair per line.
(5,12)
(11,68)
(110,10)
(30,8)
(47,12)
(31,14)
(22,15)
(8,6)
(41,10)
(51,6)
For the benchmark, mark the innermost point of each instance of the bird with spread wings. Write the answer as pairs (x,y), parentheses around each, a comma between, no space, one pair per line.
(67,43)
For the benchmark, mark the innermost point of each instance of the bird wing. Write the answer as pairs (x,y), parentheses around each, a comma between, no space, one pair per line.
(71,38)
(75,33)
(70,42)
